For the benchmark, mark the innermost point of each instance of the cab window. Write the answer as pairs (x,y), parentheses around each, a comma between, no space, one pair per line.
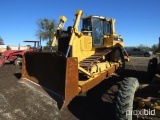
(107,28)
(87,25)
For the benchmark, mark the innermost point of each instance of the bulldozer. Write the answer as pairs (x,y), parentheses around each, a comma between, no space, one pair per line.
(84,58)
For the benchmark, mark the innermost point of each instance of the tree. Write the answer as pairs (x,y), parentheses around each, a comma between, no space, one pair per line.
(46,28)
(154,48)
(144,47)
(1,41)
(139,46)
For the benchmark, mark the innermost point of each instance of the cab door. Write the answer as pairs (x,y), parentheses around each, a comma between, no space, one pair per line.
(97,32)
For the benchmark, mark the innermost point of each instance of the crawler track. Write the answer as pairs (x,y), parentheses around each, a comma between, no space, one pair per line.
(88,62)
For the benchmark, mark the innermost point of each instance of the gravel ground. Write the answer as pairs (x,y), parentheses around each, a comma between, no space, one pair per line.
(21,102)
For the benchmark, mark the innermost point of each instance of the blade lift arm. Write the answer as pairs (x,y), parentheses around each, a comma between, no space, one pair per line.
(75,31)
(63,20)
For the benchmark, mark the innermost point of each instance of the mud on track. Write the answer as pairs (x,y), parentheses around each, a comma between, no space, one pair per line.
(20,102)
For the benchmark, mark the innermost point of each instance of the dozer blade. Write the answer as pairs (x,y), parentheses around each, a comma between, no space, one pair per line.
(52,74)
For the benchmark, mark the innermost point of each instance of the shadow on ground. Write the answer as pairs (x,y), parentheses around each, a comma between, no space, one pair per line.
(97,104)
(142,76)
(100,101)
(18,75)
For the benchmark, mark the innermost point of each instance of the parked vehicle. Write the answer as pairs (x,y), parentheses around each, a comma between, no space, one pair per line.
(15,56)
(139,51)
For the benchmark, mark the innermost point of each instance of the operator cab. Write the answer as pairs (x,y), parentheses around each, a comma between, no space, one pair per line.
(37,45)
(97,26)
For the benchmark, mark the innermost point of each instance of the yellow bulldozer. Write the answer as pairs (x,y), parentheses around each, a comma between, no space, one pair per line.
(84,58)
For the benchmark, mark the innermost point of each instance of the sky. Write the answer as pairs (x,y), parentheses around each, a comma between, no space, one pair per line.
(138,21)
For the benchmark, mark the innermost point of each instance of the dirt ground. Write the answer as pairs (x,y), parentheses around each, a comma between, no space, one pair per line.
(21,102)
